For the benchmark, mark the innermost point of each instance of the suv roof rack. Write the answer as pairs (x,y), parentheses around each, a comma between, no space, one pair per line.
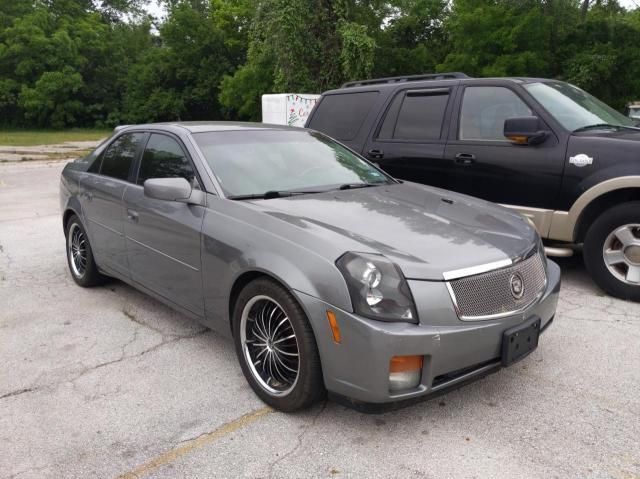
(426,76)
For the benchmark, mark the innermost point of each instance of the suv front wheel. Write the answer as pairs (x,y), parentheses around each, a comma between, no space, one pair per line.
(612,251)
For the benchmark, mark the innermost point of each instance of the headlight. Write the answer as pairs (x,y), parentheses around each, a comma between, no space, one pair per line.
(377,287)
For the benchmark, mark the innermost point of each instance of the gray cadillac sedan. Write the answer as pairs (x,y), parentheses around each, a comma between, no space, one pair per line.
(328,274)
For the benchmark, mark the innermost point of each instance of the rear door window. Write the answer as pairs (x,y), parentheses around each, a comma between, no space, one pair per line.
(415,116)
(118,157)
(164,158)
(341,116)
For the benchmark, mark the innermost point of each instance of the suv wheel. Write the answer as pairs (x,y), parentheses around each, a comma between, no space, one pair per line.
(612,251)
(276,346)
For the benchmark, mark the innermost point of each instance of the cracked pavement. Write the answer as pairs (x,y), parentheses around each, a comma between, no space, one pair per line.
(97,382)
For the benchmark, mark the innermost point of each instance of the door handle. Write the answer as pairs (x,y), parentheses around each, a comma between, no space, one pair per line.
(465,159)
(375,153)
(132,215)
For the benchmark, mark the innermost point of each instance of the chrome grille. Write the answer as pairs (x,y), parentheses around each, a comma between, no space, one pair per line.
(489,295)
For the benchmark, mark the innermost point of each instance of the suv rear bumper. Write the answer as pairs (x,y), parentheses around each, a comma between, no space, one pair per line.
(455,352)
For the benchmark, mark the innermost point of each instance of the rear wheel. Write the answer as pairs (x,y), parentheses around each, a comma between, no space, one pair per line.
(612,251)
(276,347)
(80,256)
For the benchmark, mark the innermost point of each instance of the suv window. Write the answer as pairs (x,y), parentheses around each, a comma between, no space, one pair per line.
(341,116)
(164,158)
(484,110)
(420,116)
(117,159)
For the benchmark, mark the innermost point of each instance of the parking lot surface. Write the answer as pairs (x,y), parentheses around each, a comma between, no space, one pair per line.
(107,382)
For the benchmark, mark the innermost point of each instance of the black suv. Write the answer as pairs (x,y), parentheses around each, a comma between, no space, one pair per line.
(548,149)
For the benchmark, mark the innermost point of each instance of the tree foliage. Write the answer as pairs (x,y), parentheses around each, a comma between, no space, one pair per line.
(106,62)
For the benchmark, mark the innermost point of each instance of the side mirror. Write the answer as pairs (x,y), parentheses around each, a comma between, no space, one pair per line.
(173,189)
(524,130)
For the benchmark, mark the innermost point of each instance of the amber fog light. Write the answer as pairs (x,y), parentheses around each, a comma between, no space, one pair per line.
(404,372)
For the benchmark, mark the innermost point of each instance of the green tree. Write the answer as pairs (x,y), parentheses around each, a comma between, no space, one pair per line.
(598,55)
(62,64)
(300,45)
(505,37)
(105,62)
(53,100)
(413,40)
(180,78)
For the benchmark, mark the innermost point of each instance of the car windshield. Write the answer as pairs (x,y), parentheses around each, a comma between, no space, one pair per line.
(253,162)
(575,108)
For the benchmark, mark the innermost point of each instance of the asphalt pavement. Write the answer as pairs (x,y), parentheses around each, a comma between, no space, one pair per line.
(107,382)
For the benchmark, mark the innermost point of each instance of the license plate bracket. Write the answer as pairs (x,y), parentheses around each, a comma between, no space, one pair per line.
(519,341)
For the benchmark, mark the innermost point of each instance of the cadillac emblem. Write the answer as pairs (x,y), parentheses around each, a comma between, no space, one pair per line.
(516,284)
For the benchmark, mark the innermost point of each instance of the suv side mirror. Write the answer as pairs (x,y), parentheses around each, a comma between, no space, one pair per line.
(173,189)
(524,130)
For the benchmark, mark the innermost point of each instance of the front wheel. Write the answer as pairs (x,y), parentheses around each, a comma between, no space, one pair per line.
(612,251)
(276,347)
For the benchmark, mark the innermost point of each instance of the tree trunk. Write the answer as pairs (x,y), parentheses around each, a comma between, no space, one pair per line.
(584,9)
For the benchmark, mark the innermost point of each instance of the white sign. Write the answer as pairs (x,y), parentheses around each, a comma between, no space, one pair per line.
(291,109)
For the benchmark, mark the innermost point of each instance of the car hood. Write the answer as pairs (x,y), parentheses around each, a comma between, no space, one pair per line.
(426,231)
(628,134)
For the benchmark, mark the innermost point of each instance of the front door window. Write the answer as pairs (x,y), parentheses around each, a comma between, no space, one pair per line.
(484,110)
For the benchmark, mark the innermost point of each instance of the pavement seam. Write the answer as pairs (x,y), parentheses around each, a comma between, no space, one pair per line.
(190,445)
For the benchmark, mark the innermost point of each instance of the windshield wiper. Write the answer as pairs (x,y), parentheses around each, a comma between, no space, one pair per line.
(351,186)
(597,125)
(271,194)
(285,193)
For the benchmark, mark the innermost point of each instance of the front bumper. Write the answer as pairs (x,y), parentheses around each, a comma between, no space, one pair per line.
(454,351)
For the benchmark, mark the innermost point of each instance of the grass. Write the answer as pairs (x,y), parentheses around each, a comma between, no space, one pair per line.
(49,137)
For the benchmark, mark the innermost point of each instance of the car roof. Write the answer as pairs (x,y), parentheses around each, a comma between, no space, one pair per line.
(206,126)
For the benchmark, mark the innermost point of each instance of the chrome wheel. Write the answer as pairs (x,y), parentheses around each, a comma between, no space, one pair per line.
(270,345)
(77,250)
(621,252)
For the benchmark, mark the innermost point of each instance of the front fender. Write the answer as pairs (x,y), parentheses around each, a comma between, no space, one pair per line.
(232,248)
(320,281)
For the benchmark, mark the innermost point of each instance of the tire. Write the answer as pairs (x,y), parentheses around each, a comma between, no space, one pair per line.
(83,270)
(612,251)
(264,309)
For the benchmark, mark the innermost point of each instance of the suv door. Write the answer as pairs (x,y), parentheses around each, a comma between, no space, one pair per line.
(163,237)
(488,165)
(410,139)
(101,195)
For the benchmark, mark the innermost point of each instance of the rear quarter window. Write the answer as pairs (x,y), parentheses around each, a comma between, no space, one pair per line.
(341,116)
